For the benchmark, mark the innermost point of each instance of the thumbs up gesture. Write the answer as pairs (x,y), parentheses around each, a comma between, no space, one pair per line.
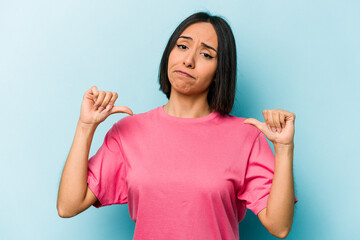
(98,105)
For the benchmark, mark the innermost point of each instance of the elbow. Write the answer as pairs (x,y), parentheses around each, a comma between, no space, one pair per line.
(63,213)
(280,230)
(282,235)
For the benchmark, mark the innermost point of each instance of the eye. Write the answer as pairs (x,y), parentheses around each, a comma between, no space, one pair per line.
(181,46)
(207,56)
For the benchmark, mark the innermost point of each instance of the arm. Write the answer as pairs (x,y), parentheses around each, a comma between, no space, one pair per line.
(279,128)
(277,217)
(74,196)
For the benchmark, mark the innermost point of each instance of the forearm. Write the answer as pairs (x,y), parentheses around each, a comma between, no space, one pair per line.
(280,205)
(73,183)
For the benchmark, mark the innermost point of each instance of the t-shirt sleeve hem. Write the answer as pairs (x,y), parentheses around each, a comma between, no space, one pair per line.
(100,202)
(93,187)
(262,203)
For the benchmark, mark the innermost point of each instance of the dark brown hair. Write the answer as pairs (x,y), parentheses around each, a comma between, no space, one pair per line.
(221,93)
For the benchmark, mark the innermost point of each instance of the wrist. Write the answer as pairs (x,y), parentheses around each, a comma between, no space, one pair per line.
(284,147)
(86,126)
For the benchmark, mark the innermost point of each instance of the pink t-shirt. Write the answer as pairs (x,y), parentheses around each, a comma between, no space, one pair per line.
(183,178)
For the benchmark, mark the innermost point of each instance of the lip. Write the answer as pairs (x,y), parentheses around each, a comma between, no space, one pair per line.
(182,73)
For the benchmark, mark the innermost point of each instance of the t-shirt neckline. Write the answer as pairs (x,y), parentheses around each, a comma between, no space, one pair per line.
(181,119)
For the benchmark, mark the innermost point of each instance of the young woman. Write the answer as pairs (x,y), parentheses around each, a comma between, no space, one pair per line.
(187,169)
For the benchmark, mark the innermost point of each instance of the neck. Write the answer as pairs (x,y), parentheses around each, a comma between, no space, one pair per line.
(187,106)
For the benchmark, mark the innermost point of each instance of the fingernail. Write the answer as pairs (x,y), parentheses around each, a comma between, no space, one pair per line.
(269,126)
(101,108)
(273,129)
(108,106)
(278,129)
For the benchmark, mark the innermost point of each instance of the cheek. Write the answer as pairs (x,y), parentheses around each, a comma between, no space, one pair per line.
(210,71)
(173,56)
(171,61)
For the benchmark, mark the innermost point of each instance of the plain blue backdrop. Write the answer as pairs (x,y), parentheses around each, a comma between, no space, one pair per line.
(301,56)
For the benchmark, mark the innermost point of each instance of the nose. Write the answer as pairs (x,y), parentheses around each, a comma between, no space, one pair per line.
(189,60)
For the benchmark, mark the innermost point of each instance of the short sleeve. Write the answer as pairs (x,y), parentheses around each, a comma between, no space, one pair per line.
(107,171)
(259,175)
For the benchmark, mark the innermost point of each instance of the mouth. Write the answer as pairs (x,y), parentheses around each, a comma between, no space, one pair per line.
(184,74)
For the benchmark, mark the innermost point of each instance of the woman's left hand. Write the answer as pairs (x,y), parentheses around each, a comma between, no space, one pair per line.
(278,127)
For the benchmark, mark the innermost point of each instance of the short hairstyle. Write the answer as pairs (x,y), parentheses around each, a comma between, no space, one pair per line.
(221,93)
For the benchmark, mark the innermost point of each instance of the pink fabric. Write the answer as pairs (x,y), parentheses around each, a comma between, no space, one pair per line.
(183,178)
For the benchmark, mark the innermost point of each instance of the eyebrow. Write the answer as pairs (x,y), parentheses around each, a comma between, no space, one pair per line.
(204,44)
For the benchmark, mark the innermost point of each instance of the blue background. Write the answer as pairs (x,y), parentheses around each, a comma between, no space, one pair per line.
(301,56)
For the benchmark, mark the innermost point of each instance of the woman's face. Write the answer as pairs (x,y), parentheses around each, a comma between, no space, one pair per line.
(193,60)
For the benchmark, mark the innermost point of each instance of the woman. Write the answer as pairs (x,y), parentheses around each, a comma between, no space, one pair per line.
(188,169)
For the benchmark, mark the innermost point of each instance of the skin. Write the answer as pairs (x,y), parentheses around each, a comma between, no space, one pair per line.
(188,94)
(188,100)
(74,195)
(279,128)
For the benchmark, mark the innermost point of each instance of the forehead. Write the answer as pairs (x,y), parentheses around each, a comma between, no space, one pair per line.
(203,32)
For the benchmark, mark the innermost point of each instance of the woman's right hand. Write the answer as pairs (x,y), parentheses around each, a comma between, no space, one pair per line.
(98,105)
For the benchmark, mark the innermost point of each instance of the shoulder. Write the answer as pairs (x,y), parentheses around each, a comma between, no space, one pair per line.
(237,123)
(129,121)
